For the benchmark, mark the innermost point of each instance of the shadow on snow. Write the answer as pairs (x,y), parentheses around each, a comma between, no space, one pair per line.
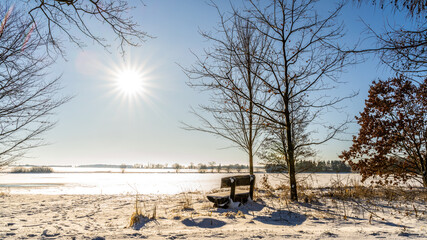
(203,222)
(282,217)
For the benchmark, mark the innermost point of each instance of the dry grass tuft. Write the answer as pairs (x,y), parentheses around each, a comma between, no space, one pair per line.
(187,202)
(306,192)
(3,194)
(349,190)
(154,216)
(231,214)
(138,216)
(266,188)
(135,219)
(240,214)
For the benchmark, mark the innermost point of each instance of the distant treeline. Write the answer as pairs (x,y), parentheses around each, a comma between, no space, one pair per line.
(104,166)
(202,168)
(334,166)
(301,166)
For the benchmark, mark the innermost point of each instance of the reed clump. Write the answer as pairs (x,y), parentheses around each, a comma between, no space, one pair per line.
(353,190)
(32,170)
(349,190)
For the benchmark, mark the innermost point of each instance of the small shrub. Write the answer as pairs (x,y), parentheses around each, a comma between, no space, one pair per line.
(41,170)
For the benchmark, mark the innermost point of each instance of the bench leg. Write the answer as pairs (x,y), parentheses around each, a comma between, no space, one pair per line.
(233,191)
(252,187)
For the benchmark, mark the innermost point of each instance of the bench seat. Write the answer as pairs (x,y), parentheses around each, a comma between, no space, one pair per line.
(223,199)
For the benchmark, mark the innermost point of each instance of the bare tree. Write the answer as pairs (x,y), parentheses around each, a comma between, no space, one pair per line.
(230,63)
(30,28)
(202,168)
(238,167)
(177,167)
(218,168)
(403,48)
(274,149)
(123,167)
(303,63)
(68,17)
(27,98)
(212,166)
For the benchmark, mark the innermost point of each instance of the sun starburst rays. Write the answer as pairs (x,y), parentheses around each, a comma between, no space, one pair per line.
(130,82)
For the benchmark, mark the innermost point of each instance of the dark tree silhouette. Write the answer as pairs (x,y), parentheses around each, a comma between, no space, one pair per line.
(68,17)
(404,48)
(30,32)
(294,59)
(27,97)
(413,7)
(392,138)
(177,167)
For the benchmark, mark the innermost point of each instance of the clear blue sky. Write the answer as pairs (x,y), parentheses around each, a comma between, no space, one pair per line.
(100,125)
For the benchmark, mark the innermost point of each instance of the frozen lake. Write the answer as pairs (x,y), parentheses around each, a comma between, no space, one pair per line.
(112,181)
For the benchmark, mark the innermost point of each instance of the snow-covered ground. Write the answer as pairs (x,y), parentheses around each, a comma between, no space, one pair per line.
(318,215)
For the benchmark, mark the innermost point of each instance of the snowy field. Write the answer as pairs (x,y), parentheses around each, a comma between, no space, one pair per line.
(112,181)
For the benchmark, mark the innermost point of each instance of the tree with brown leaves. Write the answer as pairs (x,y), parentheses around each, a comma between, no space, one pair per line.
(392,139)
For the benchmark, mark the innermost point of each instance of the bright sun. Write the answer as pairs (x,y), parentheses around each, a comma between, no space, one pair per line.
(129,82)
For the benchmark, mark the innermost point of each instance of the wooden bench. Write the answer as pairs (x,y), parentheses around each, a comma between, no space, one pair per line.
(223,200)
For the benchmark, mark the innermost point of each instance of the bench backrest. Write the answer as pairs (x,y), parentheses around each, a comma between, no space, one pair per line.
(242,180)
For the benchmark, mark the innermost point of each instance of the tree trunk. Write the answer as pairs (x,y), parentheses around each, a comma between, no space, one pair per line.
(291,157)
(425,178)
(251,107)
(251,162)
(292,180)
